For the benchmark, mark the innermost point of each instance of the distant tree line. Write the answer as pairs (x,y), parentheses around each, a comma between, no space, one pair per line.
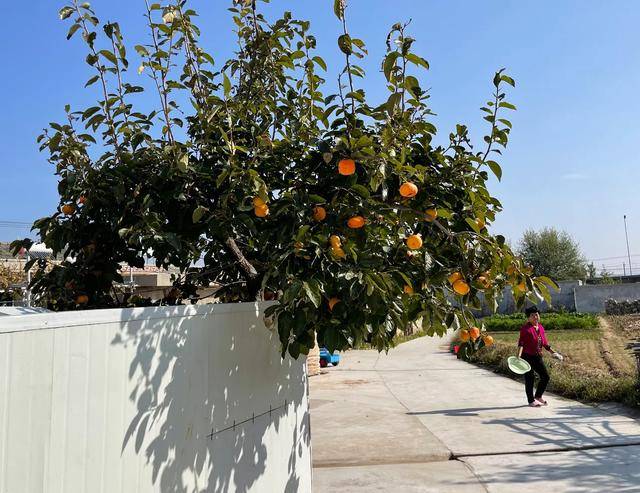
(555,254)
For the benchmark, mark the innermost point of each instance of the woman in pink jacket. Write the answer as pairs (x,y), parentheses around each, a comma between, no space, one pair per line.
(532,340)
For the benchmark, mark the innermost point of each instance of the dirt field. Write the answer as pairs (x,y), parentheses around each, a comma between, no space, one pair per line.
(618,331)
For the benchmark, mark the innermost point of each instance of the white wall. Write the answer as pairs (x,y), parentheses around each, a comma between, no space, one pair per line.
(592,297)
(127,400)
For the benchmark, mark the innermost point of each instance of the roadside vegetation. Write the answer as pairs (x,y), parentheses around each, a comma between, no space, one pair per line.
(551,321)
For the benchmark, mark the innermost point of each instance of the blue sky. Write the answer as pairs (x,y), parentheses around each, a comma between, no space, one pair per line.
(572,162)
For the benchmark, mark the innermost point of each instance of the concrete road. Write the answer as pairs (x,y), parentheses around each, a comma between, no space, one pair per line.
(419,420)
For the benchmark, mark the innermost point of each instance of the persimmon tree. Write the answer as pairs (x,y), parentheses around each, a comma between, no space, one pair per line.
(354,215)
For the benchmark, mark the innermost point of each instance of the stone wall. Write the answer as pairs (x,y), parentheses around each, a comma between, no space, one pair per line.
(613,307)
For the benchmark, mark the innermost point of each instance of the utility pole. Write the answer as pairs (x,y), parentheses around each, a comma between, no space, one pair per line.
(627,237)
(624,270)
(28,281)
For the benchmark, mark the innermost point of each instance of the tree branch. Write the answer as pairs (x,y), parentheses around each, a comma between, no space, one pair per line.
(245,265)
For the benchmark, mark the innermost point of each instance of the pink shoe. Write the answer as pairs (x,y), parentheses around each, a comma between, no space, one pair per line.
(541,401)
(535,404)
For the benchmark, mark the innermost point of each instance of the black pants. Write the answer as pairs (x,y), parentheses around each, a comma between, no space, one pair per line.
(537,366)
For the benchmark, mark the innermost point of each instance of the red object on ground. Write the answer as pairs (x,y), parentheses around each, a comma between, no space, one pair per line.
(456,349)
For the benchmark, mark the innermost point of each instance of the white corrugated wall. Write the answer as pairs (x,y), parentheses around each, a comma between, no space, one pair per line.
(171,399)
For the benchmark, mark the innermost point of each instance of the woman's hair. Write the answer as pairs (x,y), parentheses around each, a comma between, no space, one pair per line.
(532,309)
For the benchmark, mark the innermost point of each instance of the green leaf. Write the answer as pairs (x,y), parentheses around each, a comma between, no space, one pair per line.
(495,167)
(222,177)
(508,80)
(142,50)
(357,95)
(94,121)
(109,56)
(548,281)
(65,13)
(543,290)
(389,63)
(337,8)
(321,63)
(91,59)
(504,104)
(294,350)
(344,43)
(359,43)
(361,190)
(302,232)
(393,102)
(226,84)
(472,223)
(198,213)
(72,30)
(417,60)
(92,80)
(452,321)
(89,112)
(312,288)
(412,85)
(317,199)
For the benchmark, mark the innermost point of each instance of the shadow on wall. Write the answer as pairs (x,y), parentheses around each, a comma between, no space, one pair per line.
(217,408)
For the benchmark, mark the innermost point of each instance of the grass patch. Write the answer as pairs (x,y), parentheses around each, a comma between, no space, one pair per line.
(550,321)
(583,375)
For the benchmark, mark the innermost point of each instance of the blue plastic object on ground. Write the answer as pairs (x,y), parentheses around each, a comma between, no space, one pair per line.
(327,358)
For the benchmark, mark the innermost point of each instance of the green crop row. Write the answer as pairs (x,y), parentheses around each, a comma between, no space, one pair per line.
(550,321)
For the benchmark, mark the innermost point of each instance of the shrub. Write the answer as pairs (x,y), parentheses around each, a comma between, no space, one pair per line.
(550,321)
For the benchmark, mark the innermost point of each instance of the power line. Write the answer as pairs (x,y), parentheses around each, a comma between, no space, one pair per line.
(13,224)
(614,258)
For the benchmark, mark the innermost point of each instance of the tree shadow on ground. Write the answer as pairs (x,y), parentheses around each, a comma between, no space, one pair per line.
(613,469)
(467,411)
(573,426)
(208,414)
(579,449)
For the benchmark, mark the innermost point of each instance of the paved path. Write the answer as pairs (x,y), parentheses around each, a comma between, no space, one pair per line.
(418,420)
